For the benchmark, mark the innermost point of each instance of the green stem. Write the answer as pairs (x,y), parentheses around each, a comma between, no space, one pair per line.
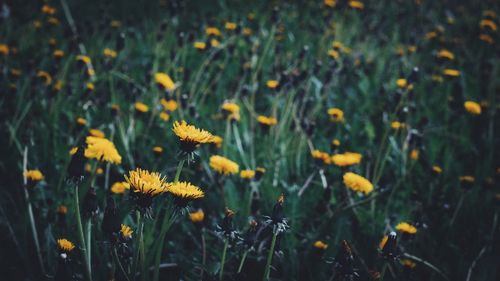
(115,255)
(179,169)
(140,223)
(88,231)
(168,220)
(80,234)
(267,269)
(223,259)
(243,260)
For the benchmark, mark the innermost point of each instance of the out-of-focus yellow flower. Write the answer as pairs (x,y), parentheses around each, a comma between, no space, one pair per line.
(164,81)
(486,23)
(90,86)
(141,107)
(336,114)
(230,25)
(356,5)
(443,53)
(486,38)
(81,121)
(49,10)
(45,76)
(396,125)
(320,245)
(322,156)
(102,149)
(233,109)
(357,183)
(214,43)
(115,23)
(197,216)
(408,263)
(58,53)
(34,175)
(200,45)
(170,105)
(164,116)
(97,133)
(467,179)
(212,31)
(472,107)
(247,174)
(406,228)
(346,159)
(247,31)
(217,141)
(109,53)
(436,169)
(120,187)
(330,3)
(84,59)
(126,231)
(333,54)
(65,245)
(402,83)
(267,121)
(451,72)
(382,242)
(272,84)
(223,165)
(158,149)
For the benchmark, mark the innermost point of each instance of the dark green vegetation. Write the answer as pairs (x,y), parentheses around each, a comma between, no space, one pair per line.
(438,171)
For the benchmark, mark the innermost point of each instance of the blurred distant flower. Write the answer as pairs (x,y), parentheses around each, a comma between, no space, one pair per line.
(217,141)
(97,133)
(356,5)
(58,54)
(164,81)
(109,53)
(486,38)
(437,169)
(47,78)
(467,179)
(34,175)
(357,183)
(272,84)
(4,49)
(486,23)
(330,3)
(267,121)
(214,31)
(406,228)
(443,53)
(259,172)
(200,45)
(164,116)
(414,153)
(472,107)
(230,25)
(346,159)
(190,136)
(233,109)
(102,150)
(141,107)
(408,263)
(336,115)
(126,231)
(90,87)
(451,72)
(223,165)
(402,83)
(320,245)
(158,150)
(247,174)
(197,216)
(170,105)
(321,156)
(120,187)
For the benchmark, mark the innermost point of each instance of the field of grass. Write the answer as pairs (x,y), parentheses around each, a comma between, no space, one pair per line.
(332,140)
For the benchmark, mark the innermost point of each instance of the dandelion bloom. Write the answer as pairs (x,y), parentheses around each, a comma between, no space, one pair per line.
(333,54)
(443,53)
(472,107)
(321,156)
(356,5)
(157,149)
(45,76)
(65,245)
(126,231)
(330,3)
(414,153)
(357,183)
(34,175)
(145,185)
(97,133)
(259,172)
(336,114)
(346,159)
(486,38)
(184,192)
(170,105)
(406,228)
(486,23)
(467,179)
(120,187)
(437,169)
(451,72)
(233,109)
(402,83)
(141,107)
(102,149)
(320,245)
(247,174)
(223,165)
(197,216)
(164,81)
(200,45)
(217,141)
(164,116)
(4,49)
(190,136)
(58,54)
(109,53)
(83,59)
(267,121)
(230,25)
(212,31)
(272,84)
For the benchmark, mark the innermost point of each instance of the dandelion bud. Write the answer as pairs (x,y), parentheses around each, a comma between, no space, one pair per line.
(89,205)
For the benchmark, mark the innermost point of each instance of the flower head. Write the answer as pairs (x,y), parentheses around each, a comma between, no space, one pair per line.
(472,107)
(65,245)
(267,121)
(34,175)
(184,192)
(346,159)
(223,165)
(164,81)
(321,157)
(120,187)
(141,107)
(144,186)
(197,216)
(357,183)
(320,245)
(126,231)
(272,84)
(247,174)
(190,136)
(232,109)
(406,228)
(102,149)
(336,115)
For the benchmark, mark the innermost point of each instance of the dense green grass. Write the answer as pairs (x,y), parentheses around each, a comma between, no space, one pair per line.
(457,222)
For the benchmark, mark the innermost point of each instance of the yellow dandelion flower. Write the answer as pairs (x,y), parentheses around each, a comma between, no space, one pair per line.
(333,54)
(53,21)
(102,149)
(272,84)
(336,115)
(217,141)
(322,156)
(486,23)
(223,165)
(97,133)
(197,216)
(185,191)
(320,245)
(414,153)
(120,187)
(330,3)
(109,53)
(247,174)
(402,83)
(451,72)
(126,231)
(357,183)
(73,150)
(81,121)
(58,53)
(486,38)
(356,5)
(406,228)
(214,43)
(141,107)
(164,116)
(396,125)
(467,179)
(346,159)
(212,31)
(34,175)
(145,185)
(437,169)
(65,245)
(170,105)
(190,136)
(200,45)
(84,59)
(37,24)
(164,81)
(472,107)
(267,121)
(45,76)
(115,23)
(247,31)
(336,142)
(62,209)
(230,25)
(90,86)
(443,53)
(233,109)
(49,10)
(158,149)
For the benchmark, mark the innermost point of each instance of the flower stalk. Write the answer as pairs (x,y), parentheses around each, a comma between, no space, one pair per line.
(223,259)
(267,269)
